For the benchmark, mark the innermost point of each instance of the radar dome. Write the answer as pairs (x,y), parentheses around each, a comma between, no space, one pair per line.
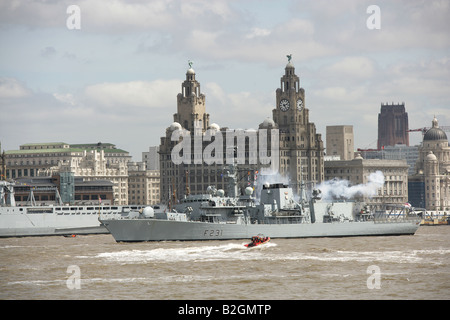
(148,212)
(211,190)
(248,191)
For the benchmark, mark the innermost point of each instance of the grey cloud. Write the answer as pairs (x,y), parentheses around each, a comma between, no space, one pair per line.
(48,52)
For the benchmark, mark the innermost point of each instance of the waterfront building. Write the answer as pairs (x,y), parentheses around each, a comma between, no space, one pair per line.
(143,184)
(93,165)
(358,171)
(301,148)
(97,161)
(193,175)
(433,169)
(340,142)
(151,158)
(32,157)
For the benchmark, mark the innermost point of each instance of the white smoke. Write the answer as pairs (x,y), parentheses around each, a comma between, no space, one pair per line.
(267,176)
(338,189)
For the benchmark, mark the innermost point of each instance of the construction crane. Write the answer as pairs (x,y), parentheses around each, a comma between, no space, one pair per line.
(368,147)
(425,129)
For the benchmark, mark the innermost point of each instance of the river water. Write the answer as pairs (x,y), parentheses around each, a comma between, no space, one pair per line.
(96,267)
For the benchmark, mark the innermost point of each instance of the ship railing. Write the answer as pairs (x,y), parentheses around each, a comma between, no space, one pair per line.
(384,218)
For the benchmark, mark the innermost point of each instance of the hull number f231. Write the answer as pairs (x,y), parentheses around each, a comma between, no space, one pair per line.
(213,233)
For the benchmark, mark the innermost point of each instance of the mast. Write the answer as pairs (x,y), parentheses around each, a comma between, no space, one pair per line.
(2,164)
(172,196)
(188,191)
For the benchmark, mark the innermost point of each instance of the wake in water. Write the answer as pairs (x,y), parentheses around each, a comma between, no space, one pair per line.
(230,251)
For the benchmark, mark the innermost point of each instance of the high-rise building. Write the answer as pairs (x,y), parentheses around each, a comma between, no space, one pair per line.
(301,148)
(191,104)
(151,158)
(193,175)
(295,149)
(392,125)
(340,142)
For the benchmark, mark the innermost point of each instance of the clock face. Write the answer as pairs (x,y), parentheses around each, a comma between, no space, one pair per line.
(299,104)
(284,105)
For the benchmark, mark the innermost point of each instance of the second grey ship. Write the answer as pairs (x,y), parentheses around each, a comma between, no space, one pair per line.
(277,215)
(55,219)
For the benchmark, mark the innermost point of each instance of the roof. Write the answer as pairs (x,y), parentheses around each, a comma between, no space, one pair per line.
(31,151)
(73,148)
(435,134)
(44,144)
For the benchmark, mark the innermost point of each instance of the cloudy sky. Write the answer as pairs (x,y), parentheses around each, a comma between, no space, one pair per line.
(116,78)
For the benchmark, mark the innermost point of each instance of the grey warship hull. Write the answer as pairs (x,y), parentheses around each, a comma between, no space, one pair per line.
(276,215)
(166,230)
(57,220)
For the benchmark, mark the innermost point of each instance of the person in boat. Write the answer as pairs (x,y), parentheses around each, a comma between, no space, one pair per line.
(257,240)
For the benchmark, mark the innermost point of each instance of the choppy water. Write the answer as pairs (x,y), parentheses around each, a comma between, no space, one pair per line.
(96,267)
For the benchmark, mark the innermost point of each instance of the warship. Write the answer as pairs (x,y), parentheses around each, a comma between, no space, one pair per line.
(53,219)
(276,214)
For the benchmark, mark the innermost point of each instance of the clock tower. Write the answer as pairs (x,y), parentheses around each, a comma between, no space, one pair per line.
(301,149)
(290,96)
(191,104)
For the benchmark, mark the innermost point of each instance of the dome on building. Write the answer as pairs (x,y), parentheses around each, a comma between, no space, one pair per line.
(214,126)
(190,71)
(431,157)
(268,122)
(435,133)
(290,65)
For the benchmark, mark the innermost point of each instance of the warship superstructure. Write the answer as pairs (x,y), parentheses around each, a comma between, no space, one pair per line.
(214,216)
